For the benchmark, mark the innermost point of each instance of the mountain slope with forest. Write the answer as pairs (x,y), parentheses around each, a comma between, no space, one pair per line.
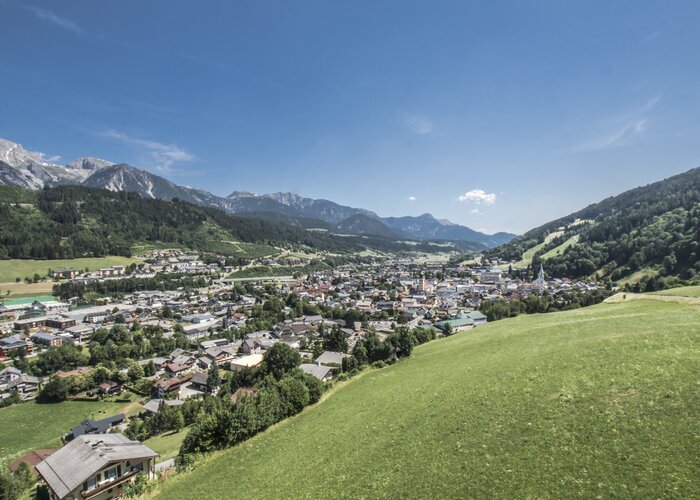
(650,234)
(66,222)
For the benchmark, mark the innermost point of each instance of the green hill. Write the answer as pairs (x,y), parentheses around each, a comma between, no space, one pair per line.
(69,222)
(601,401)
(651,228)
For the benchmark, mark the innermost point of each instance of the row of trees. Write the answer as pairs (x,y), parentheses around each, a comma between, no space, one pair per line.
(509,308)
(282,390)
(162,282)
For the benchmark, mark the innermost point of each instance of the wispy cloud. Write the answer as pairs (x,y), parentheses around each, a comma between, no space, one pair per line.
(411,198)
(478,197)
(46,158)
(624,129)
(50,17)
(475,211)
(419,125)
(159,155)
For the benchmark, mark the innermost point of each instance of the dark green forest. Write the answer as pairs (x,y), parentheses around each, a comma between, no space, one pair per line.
(654,228)
(67,222)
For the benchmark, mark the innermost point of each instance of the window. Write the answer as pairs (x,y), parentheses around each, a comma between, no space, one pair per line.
(110,474)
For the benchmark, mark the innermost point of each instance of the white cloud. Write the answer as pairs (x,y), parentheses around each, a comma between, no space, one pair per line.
(475,211)
(50,17)
(478,196)
(411,198)
(618,137)
(161,156)
(419,125)
(46,158)
(627,127)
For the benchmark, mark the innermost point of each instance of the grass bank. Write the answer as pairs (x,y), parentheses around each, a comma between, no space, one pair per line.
(600,401)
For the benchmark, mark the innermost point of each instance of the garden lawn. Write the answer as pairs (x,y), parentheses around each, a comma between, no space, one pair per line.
(29,426)
(596,402)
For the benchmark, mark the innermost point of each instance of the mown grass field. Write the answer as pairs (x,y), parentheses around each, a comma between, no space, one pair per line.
(595,402)
(21,268)
(29,426)
(530,252)
(560,249)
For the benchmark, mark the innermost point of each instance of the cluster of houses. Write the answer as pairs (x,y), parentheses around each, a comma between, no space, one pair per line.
(98,462)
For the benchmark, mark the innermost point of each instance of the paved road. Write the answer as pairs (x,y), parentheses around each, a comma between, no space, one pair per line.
(165,465)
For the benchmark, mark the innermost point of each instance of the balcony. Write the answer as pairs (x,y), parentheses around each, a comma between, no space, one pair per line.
(111,484)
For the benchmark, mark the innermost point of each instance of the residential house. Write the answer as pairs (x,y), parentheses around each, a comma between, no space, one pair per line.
(162,388)
(32,459)
(321,372)
(47,339)
(247,361)
(95,426)
(153,405)
(15,343)
(60,322)
(331,358)
(13,380)
(95,467)
(66,274)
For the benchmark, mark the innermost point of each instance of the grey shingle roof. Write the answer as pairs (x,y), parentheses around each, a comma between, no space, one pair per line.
(73,464)
(320,372)
(331,357)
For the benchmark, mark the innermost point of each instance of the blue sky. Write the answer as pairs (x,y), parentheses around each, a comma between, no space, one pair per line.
(496,115)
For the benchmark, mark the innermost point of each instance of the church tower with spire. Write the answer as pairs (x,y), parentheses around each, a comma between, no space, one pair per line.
(539,282)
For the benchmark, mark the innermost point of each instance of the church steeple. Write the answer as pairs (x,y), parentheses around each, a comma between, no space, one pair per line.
(540,277)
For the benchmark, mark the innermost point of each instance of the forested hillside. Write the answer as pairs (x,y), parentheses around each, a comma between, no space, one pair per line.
(651,233)
(73,221)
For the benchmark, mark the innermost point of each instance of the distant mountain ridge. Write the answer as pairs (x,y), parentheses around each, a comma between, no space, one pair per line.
(19,167)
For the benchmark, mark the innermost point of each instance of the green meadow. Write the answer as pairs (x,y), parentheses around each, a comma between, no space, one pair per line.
(683,291)
(595,402)
(21,268)
(30,426)
(167,445)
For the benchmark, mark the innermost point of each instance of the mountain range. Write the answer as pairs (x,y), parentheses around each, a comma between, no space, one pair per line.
(22,168)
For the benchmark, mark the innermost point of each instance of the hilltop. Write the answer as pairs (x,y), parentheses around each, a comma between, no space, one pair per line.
(649,235)
(600,401)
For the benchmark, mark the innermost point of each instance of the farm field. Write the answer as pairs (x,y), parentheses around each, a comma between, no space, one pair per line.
(595,402)
(28,426)
(20,268)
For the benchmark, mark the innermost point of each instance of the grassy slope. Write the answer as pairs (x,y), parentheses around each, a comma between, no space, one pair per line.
(167,445)
(530,252)
(560,249)
(683,291)
(11,269)
(29,426)
(597,401)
